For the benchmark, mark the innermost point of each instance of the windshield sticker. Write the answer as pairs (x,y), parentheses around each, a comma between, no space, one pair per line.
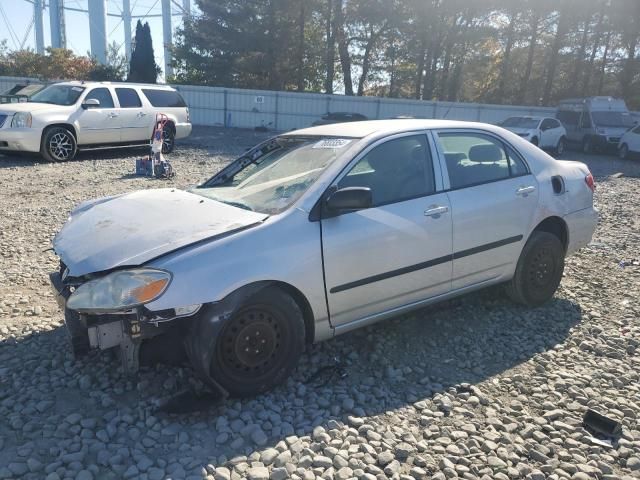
(332,143)
(77,89)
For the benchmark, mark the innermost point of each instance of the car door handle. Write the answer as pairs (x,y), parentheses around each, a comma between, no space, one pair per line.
(113,115)
(435,211)
(524,191)
(142,114)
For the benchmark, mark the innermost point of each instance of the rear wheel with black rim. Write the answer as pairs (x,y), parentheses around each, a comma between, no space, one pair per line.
(534,141)
(259,346)
(168,139)
(539,270)
(58,145)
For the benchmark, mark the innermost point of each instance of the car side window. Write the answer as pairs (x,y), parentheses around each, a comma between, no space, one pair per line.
(547,124)
(637,130)
(474,158)
(555,123)
(128,98)
(396,170)
(103,95)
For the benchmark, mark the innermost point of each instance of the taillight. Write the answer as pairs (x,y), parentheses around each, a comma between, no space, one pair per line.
(591,183)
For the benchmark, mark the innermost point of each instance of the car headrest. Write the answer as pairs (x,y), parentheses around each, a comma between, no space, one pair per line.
(485,153)
(454,158)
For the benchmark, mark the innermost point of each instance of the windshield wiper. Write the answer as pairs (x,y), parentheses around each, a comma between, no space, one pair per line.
(237,204)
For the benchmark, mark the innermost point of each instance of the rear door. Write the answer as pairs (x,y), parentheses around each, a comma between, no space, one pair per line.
(493,199)
(101,124)
(135,122)
(398,251)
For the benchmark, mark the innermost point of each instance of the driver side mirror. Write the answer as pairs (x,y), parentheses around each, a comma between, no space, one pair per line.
(90,103)
(350,198)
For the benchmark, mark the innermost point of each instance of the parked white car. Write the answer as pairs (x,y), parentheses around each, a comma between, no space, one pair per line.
(315,233)
(544,132)
(67,117)
(630,143)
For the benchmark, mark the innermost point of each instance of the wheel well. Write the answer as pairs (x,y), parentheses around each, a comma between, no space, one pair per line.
(305,307)
(555,226)
(63,125)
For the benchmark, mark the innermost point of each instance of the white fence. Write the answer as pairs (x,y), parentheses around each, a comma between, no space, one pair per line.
(233,107)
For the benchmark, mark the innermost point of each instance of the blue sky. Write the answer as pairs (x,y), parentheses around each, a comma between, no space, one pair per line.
(19,13)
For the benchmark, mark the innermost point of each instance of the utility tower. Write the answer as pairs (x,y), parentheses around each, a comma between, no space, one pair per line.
(98,29)
(56,22)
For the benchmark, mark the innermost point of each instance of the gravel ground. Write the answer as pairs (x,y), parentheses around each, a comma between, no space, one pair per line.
(474,388)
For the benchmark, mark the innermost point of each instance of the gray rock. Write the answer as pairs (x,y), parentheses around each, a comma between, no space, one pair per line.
(279,473)
(258,473)
(222,473)
(259,437)
(84,475)
(385,457)
(18,468)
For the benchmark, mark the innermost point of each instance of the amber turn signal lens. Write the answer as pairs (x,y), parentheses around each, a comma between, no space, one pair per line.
(148,292)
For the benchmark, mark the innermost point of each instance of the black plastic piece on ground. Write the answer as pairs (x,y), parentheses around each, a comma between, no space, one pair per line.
(600,423)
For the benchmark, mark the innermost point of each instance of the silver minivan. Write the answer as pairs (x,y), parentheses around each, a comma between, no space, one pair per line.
(595,123)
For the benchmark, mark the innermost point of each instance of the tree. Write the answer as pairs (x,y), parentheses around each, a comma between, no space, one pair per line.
(143,67)
(504,51)
(116,68)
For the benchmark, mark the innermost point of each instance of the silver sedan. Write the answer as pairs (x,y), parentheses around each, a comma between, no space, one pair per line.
(314,233)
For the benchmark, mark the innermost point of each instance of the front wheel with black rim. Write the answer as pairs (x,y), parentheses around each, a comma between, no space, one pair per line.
(168,140)
(58,145)
(259,345)
(559,150)
(587,146)
(539,270)
(535,141)
(623,152)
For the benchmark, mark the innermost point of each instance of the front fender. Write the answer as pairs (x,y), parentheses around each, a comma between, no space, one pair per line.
(284,249)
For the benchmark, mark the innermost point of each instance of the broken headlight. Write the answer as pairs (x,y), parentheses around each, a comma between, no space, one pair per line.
(120,290)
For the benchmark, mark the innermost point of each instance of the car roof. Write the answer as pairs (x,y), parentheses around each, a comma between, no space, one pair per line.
(384,127)
(115,84)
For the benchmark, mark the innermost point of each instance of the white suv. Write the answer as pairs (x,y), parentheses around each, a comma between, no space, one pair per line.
(67,117)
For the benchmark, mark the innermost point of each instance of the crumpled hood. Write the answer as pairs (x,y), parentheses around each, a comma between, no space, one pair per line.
(131,229)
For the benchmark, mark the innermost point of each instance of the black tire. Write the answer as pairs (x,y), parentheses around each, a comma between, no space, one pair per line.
(58,145)
(623,152)
(539,270)
(560,147)
(587,146)
(534,141)
(260,345)
(168,139)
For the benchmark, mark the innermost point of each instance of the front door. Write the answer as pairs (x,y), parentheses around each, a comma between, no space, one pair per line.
(99,124)
(399,251)
(493,199)
(135,122)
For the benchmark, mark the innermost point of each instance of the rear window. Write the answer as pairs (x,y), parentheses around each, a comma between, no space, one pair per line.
(164,98)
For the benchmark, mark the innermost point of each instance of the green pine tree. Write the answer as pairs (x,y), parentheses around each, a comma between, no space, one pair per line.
(142,67)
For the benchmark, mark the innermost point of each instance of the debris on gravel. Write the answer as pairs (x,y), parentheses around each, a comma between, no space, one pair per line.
(475,388)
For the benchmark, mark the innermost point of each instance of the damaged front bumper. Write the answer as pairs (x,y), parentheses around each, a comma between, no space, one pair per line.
(125,330)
